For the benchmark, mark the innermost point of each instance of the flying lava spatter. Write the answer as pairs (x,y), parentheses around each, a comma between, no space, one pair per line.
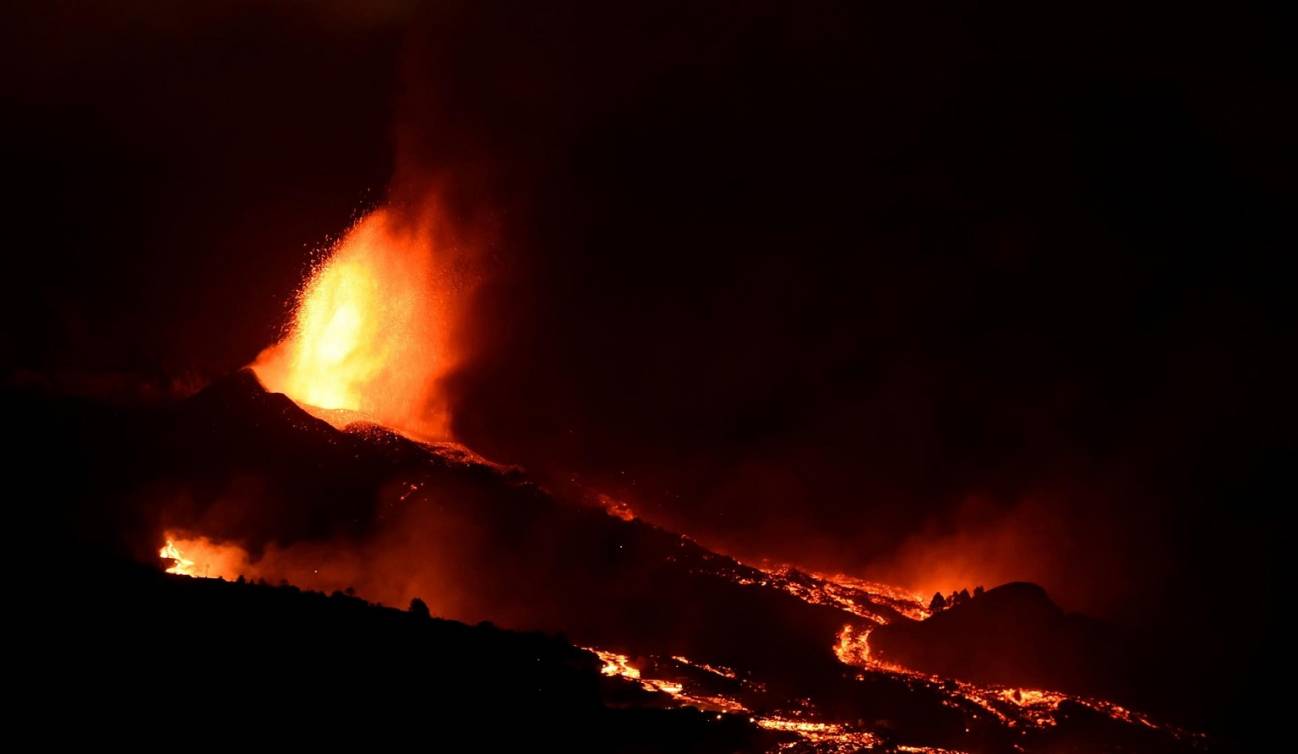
(370,337)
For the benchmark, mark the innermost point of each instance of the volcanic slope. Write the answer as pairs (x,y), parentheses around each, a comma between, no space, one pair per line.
(235,469)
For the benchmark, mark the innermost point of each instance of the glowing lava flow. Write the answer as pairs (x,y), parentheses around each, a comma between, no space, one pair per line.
(823,737)
(1013,707)
(371,334)
(831,738)
(877,604)
(620,665)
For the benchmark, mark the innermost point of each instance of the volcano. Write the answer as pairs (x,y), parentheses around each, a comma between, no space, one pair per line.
(640,628)
(804,377)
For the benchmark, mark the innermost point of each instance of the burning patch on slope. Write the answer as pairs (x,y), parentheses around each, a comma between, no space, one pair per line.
(201,557)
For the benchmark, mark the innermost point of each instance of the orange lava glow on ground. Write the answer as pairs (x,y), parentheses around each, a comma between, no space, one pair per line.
(616,508)
(1013,707)
(619,665)
(870,604)
(200,557)
(809,733)
(831,738)
(370,337)
(720,690)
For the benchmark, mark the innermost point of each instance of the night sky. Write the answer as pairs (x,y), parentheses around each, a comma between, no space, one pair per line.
(863,286)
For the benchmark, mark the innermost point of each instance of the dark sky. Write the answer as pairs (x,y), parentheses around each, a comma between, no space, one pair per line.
(871,287)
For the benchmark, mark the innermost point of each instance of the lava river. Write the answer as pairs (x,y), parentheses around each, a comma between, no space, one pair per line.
(1020,716)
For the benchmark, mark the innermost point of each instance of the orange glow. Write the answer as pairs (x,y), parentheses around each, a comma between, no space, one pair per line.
(370,338)
(719,670)
(617,665)
(616,508)
(620,665)
(1013,707)
(865,599)
(200,557)
(829,737)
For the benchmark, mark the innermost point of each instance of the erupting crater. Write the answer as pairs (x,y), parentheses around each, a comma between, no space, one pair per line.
(371,339)
(371,334)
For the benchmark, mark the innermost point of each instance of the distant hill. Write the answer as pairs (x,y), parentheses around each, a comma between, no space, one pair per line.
(1015,635)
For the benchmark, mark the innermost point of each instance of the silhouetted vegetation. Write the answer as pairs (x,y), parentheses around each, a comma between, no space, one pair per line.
(273,661)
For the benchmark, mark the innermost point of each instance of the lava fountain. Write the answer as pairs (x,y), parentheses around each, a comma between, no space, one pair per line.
(370,337)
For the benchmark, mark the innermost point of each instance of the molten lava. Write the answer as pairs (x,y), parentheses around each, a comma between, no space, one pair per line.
(371,334)
(1013,707)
